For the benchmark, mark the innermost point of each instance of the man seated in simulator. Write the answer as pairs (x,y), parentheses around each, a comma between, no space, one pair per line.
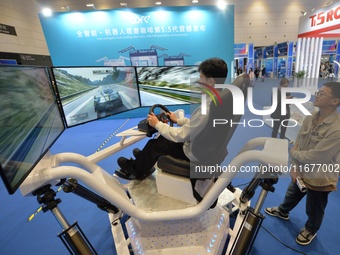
(173,141)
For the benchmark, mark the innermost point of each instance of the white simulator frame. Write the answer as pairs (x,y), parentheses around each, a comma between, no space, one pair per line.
(162,219)
(213,223)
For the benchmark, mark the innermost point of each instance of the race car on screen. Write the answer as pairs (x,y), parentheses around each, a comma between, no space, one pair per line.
(108,100)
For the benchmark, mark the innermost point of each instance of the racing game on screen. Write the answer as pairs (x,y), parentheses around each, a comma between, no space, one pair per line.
(30,121)
(90,93)
(167,85)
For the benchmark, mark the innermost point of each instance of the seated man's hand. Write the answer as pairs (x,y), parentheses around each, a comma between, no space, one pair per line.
(152,119)
(172,116)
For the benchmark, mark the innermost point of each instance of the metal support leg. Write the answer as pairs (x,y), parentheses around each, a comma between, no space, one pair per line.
(253,218)
(72,236)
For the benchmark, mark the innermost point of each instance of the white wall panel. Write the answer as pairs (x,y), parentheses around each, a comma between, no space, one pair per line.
(23,15)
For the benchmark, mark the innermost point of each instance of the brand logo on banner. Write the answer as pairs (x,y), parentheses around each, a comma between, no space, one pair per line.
(324,22)
(135,19)
(325,17)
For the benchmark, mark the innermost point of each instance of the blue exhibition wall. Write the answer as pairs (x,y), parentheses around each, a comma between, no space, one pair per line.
(140,37)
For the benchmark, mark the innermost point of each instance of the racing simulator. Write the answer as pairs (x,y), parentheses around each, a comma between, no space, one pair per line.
(193,218)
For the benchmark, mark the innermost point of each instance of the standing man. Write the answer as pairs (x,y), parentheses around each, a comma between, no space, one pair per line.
(263,73)
(314,158)
(330,73)
(257,73)
(251,77)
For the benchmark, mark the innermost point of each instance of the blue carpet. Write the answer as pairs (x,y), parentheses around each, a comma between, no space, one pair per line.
(39,236)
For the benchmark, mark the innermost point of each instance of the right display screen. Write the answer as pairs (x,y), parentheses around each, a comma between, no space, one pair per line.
(166,85)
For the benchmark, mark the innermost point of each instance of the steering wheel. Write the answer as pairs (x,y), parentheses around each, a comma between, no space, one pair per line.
(163,117)
(149,130)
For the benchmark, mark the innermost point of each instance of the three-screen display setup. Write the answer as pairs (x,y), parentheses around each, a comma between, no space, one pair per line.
(39,103)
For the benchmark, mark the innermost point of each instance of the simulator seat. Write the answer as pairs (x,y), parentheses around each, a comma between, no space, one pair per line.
(209,147)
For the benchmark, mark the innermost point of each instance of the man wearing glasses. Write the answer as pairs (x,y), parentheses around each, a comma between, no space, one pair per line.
(315,160)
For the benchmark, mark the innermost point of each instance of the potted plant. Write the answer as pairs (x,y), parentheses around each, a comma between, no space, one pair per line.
(300,75)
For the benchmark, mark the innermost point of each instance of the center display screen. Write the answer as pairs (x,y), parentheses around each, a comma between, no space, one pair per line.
(90,93)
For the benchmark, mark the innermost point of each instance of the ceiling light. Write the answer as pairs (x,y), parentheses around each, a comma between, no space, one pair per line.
(91,5)
(123,4)
(303,13)
(47,12)
(194,1)
(221,4)
(328,3)
(158,3)
(65,8)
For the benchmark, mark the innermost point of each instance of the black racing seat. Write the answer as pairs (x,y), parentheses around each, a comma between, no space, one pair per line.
(210,146)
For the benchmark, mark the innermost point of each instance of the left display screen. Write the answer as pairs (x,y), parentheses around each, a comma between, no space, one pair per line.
(30,121)
(90,93)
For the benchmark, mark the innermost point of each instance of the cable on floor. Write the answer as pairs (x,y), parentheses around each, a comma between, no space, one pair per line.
(289,247)
(112,135)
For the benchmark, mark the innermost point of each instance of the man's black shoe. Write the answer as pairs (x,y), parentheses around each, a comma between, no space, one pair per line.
(126,164)
(128,176)
(136,152)
(127,170)
(124,175)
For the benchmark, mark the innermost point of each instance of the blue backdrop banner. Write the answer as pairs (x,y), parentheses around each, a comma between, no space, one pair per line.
(140,37)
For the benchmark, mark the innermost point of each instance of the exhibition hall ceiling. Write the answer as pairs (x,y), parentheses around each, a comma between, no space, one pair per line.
(73,5)
(261,22)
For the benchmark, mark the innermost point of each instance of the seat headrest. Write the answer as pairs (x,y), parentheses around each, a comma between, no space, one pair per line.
(210,146)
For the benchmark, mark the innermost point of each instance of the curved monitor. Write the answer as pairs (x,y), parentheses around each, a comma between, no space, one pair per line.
(167,85)
(30,121)
(90,93)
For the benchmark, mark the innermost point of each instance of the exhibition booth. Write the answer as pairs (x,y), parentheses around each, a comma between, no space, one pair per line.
(79,96)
